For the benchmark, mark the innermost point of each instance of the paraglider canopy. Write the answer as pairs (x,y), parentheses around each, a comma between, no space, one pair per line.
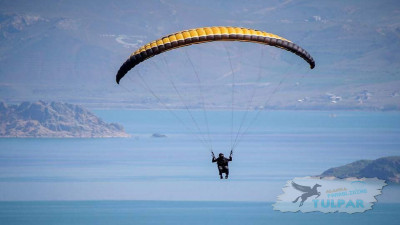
(209,34)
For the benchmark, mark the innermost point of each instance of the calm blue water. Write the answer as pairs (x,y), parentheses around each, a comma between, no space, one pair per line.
(278,146)
(158,212)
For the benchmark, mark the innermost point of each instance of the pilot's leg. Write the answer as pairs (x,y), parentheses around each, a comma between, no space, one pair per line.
(226,172)
(220,169)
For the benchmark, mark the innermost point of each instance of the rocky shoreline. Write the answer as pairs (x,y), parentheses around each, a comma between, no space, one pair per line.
(54,120)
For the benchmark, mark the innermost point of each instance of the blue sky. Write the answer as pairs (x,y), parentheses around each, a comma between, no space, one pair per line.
(281,146)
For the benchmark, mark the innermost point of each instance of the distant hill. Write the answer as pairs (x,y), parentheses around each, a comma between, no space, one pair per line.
(70,51)
(387,168)
(55,119)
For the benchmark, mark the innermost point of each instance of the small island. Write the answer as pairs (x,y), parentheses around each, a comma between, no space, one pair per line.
(54,120)
(158,135)
(386,168)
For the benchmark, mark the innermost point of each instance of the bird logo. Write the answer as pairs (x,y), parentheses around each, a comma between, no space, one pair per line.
(307,192)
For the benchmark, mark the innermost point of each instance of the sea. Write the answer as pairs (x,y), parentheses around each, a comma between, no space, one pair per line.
(163,173)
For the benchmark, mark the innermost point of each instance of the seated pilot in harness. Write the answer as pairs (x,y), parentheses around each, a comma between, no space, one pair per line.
(222,164)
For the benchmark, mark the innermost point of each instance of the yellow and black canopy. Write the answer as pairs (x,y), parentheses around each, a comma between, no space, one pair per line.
(208,34)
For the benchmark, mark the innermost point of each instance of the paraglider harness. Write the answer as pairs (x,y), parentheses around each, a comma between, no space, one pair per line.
(222,163)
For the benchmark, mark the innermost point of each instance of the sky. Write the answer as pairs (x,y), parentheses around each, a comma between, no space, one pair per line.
(280,146)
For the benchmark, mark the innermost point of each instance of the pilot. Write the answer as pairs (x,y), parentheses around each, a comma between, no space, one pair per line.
(222,163)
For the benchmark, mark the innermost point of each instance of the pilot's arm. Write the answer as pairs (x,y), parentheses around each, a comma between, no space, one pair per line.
(213,157)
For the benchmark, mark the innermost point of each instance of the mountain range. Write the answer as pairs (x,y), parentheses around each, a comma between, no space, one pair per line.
(71,50)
